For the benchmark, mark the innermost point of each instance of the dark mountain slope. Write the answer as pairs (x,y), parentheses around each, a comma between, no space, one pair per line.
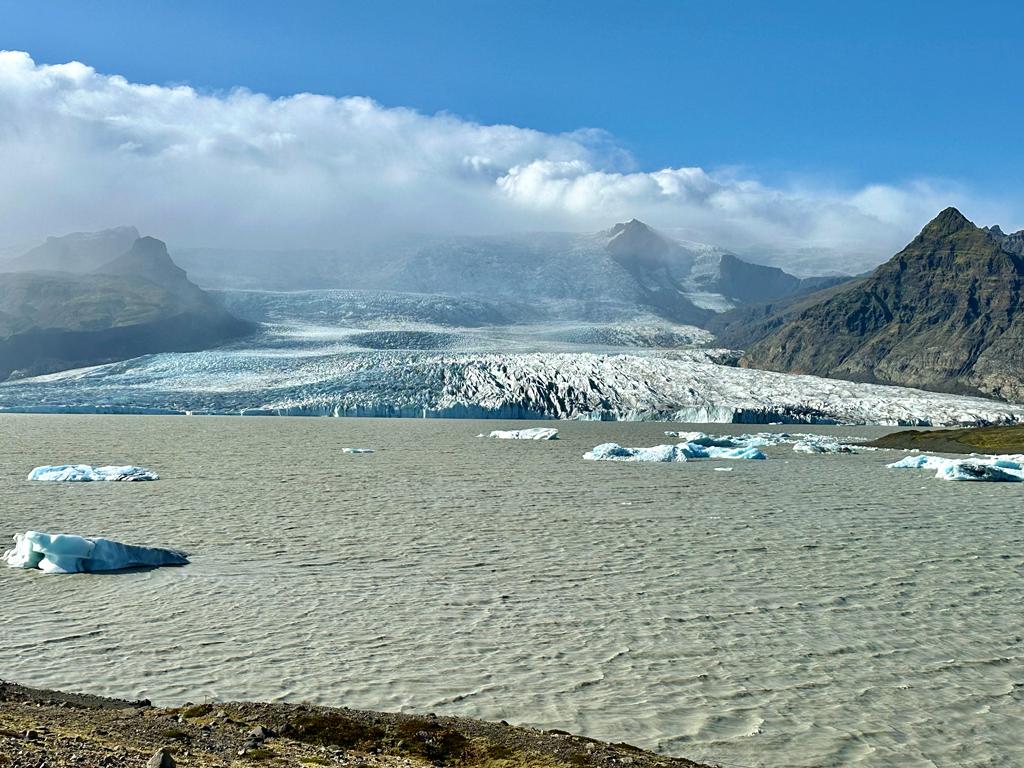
(747,324)
(946,313)
(136,304)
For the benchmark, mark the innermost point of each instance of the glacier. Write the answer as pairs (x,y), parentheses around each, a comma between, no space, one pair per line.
(84,473)
(387,366)
(536,433)
(995,468)
(66,553)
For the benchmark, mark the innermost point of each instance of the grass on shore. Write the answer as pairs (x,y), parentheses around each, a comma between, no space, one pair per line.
(969,440)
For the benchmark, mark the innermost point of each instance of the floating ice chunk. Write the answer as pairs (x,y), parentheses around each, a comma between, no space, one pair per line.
(83,473)
(979,471)
(919,462)
(616,452)
(723,469)
(708,441)
(743,452)
(996,469)
(821,444)
(357,450)
(679,452)
(65,553)
(536,433)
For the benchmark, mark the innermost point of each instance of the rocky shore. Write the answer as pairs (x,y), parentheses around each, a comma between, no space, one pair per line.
(51,729)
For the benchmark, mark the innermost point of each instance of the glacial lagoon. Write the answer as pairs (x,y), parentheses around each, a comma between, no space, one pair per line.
(806,610)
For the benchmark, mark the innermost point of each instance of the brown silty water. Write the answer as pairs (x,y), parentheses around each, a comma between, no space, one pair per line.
(802,611)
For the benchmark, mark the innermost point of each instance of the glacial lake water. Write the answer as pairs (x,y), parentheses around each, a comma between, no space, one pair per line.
(800,611)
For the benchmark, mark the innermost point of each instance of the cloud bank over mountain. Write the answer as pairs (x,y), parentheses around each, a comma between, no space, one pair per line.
(83,150)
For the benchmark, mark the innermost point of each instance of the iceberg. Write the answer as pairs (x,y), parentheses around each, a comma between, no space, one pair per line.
(357,450)
(536,433)
(665,453)
(821,444)
(979,471)
(83,473)
(748,452)
(616,452)
(919,462)
(708,441)
(66,553)
(992,469)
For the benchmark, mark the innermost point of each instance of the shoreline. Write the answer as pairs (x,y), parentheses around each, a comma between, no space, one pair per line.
(988,440)
(70,729)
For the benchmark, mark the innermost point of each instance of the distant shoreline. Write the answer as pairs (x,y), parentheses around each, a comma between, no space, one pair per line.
(1000,439)
(37,724)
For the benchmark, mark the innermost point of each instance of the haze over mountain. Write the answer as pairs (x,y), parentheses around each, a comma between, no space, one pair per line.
(93,303)
(626,270)
(78,252)
(945,313)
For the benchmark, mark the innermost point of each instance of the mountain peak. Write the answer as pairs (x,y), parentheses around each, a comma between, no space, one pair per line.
(148,258)
(77,252)
(631,227)
(948,222)
(150,247)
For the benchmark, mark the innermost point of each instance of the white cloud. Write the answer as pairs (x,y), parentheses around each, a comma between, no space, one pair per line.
(82,150)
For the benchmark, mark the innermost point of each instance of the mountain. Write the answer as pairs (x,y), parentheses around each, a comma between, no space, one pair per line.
(626,271)
(77,252)
(136,303)
(746,324)
(945,313)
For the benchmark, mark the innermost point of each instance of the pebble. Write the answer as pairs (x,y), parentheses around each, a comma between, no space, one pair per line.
(161,759)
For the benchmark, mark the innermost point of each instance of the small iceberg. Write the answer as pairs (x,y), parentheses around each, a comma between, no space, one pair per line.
(977,471)
(821,444)
(616,452)
(667,453)
(708,441)
(991,469)
(83,473)
(357,450)
(66,553)
(536,433)
(919,462)
(743,452)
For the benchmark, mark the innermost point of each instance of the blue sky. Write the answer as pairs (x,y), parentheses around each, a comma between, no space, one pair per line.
(842,94)
(866,90)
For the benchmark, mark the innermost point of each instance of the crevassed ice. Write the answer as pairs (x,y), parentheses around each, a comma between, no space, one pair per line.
(84,473)
(67,553)
(275,377)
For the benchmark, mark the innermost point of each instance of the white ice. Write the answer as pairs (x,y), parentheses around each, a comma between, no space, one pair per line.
(821,444)
(993,469)
(357,450)
(83,473)
(666,453)
(66,553)
(536,433)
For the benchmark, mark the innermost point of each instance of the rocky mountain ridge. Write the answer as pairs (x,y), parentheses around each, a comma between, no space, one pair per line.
(77,312)
(946,313)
